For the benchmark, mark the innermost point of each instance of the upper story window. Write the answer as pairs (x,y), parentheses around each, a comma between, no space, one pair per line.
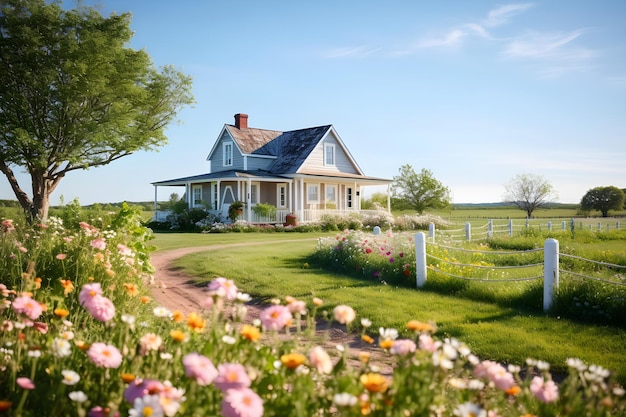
(228,154)
(329,154)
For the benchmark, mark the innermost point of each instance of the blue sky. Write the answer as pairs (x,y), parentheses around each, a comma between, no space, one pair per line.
(475,91)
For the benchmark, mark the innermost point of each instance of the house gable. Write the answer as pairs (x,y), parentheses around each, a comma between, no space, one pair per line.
(330,156)
(226,153)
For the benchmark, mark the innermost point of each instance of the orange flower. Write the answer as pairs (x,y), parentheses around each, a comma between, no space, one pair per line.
(386,343)
(196,322)
(5,405)
(418,326)
(110,272)
(364,357)
(37,283)
(293,360)
(178,316)
(145,299)
(131,289)
(374,382)
(61,312)
(367,339)
(250,332)
(127,378)
(81,345)
(514,390)
(68,287)
(178,335)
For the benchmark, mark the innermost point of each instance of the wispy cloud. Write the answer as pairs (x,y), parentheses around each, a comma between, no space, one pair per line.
(503,14)
(552,54)
(353,52)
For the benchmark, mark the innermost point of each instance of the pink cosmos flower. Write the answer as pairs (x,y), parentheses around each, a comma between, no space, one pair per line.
(297,306)
(242,403)
(98,243)
(402,347)
(231,376)
(344,314)
(321,360)
(98,411)
(275,317)
(223,287)
(104,356)
(88,292)
(141,387)
(496,373)
(427,343)
(200,368)
(25,383)
(27,306)
(40,327)
(101,308)
(544,391)
(7,225)
(61,256)
(124,250)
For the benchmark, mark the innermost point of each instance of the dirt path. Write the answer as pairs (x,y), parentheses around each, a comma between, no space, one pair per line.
(175,290)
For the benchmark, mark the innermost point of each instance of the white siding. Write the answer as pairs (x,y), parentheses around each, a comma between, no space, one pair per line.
(315,161)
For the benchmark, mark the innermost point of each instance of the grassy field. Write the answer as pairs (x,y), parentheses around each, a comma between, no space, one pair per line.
(275,265)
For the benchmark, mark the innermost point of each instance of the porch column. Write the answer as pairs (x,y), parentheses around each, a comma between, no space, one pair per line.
(302,191)
(389,198)
(249,199)
(155,198)
(218,205)
(357,196)
(291,197)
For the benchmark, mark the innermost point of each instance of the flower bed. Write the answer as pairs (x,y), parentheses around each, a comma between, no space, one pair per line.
(81,337)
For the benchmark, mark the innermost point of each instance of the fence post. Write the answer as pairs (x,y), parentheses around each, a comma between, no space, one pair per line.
(490,228)
(617,225)
(468,231)
(431,231)
(420,259)
(550,271)
(599,226)
(549,226)
(563,225)
(510,227)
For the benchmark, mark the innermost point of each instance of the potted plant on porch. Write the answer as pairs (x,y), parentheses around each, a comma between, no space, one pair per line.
(234,210)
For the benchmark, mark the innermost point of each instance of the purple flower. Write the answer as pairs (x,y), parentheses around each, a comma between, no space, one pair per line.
(200,368)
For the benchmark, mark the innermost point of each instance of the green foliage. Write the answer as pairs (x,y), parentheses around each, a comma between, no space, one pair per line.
(264,210)
(234,209)
(73,65)
(418,191)
(603,199)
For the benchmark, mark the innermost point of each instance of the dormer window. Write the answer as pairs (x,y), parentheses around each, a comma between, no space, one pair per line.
(329,154)
(228,154)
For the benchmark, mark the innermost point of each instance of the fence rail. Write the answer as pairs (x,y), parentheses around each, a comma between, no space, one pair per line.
(550,264)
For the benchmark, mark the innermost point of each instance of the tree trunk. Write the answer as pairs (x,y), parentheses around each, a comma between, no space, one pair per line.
(37,208)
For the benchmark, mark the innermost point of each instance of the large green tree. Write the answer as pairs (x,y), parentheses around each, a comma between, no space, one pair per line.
(418,191)
(528,192)
(73,95)
(603,199)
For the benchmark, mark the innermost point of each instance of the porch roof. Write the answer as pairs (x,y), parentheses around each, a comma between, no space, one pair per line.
(233,175)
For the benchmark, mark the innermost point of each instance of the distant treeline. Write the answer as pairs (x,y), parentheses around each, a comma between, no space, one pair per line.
(145,205)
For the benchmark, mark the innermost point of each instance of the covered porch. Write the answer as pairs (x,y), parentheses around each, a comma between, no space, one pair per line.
(306,197)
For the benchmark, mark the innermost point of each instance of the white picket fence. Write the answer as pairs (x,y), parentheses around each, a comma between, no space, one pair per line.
(551,267)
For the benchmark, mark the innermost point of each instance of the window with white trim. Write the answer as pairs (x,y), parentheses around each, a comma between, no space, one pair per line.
(313,193)
(329,154)
(281,194)
(227,149)
(331,194)
(196,191)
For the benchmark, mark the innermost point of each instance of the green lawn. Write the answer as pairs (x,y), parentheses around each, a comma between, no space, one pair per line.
(274,265)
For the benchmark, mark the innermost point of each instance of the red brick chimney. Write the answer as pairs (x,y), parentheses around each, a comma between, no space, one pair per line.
(241,121)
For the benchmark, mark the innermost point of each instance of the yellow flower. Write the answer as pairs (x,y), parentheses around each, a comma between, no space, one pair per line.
(61,312)
(367,339)
(293,360)
(196,322)
(385,343)
(178,335)
(145,299)
(418,326)
(374,382)
(364,357)
(82,345)
(250,332)
(178,316)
